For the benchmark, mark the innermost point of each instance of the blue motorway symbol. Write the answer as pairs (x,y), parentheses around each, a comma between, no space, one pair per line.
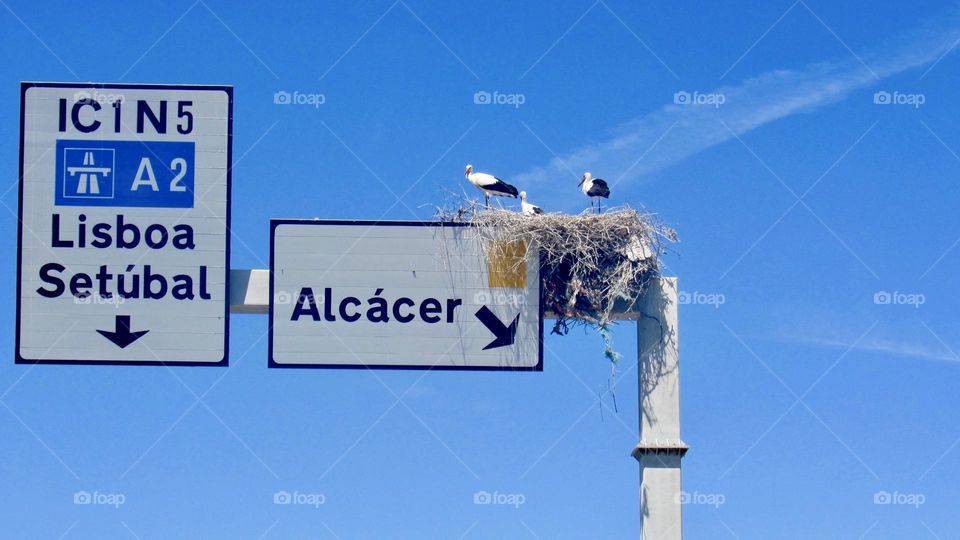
(89,173)
(155,174)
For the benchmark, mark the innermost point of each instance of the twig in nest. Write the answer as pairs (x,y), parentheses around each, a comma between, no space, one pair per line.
(588,262)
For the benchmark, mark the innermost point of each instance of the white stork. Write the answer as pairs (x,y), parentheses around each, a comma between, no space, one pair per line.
(528,208)
(595,188)
(489,184)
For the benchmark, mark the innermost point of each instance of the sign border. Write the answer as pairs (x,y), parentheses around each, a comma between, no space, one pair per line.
(271,364)
(228,90)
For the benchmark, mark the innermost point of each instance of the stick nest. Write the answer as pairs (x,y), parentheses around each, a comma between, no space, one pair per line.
(589,263)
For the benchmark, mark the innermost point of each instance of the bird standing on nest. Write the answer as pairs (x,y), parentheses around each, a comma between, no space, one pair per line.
(595,188)
(526,208)
(489,184)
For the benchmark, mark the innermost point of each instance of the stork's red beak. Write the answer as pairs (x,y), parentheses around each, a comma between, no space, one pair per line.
(582,179)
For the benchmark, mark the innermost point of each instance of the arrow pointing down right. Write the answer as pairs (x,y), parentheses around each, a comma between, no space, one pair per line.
(505,335)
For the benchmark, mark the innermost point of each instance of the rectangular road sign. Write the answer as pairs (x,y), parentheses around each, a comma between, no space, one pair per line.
(123,246)
(401,295)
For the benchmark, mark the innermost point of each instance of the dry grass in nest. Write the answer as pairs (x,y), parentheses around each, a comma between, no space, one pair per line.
(589,263)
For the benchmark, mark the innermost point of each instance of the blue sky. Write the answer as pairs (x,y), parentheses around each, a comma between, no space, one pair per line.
(801,203)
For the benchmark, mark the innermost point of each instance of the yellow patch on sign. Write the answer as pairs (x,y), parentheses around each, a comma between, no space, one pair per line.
(507,265)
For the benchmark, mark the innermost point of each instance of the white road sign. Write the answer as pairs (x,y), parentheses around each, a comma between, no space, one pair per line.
(401,295)
(123,247)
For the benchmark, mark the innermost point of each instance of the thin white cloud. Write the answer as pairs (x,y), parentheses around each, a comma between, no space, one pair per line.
(675,132)
(884,346)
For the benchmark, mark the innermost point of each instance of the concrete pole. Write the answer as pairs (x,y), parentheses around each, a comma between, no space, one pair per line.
(660,449)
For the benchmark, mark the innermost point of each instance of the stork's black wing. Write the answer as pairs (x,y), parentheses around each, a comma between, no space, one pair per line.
(502,188)
(599,189)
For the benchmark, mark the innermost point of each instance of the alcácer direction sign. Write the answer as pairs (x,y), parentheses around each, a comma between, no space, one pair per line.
(401,295)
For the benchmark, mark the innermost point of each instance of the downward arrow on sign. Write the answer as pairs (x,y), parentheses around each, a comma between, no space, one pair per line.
(505,335)
(122,336)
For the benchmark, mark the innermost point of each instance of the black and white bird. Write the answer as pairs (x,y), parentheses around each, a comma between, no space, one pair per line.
(595,188)
(489,184)
(528,208)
